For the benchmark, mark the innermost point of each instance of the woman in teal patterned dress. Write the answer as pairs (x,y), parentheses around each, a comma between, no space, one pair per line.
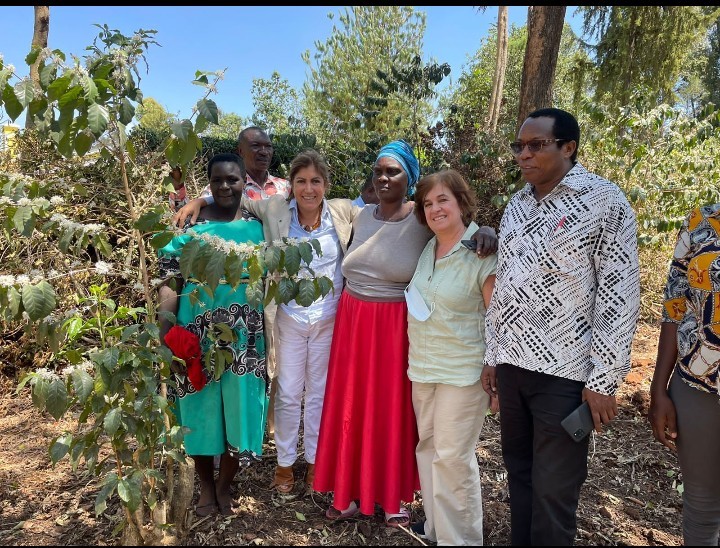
(226,416)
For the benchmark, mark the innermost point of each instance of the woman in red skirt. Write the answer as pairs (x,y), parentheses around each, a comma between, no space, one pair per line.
(368,433)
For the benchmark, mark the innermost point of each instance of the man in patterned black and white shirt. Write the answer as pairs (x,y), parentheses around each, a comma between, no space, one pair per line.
(560,324)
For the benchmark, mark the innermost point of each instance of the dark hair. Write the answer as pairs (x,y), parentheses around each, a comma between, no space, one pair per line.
(309,158)
(565,126)
(464,195)
(368,182)
(226,157)
(248,129)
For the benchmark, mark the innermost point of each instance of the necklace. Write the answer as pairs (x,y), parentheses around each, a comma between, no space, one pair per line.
(390,219)
(315,225)
(308,228)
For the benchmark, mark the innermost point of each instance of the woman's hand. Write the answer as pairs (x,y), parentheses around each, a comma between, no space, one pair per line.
(487,241)
(190,209)
(663,419)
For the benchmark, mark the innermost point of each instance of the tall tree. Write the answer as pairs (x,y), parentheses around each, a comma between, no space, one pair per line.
(500,67)
(277,105)
(643,48)
(342,71)
(711,74)
(152,115)
(41,29)
(228,127)
(545,25)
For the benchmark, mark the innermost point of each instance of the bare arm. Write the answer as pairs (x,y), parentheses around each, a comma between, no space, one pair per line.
(487,241)
(190,209)
(662,416)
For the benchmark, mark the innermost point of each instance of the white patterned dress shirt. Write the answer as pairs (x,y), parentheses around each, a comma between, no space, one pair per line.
(567,293)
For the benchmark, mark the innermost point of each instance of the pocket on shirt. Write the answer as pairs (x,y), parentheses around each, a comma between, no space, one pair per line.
(564,253)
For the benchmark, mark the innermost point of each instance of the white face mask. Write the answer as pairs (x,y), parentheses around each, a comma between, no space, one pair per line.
(416,304)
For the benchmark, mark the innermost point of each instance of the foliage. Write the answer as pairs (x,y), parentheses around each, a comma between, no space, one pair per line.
(711,75)
(277,105)
(152,115)
(116,368)
(642,47)
(228,127)
(341,75)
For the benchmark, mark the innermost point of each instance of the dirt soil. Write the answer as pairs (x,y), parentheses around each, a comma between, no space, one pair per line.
(631,496)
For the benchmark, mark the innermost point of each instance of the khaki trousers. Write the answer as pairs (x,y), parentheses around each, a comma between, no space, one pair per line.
(449,420)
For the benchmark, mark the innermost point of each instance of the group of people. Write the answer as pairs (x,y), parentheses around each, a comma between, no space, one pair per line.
(426,330)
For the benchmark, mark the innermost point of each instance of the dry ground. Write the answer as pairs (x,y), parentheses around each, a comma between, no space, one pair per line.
(630,497)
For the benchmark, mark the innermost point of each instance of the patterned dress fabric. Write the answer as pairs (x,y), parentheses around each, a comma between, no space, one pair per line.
(567,295)
(692,298)
(228,413)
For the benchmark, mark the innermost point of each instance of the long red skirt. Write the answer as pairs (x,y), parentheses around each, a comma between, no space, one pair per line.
(368,433)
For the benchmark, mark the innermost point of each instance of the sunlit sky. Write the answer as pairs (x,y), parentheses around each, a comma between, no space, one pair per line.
(250,42)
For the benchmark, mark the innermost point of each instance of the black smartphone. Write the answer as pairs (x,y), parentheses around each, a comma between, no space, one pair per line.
(470,244)
(579,423)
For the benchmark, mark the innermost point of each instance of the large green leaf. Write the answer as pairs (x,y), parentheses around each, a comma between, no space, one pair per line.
(306,252)
(215,268)
(59,86)
(38,300)
(31,57)
(109,486)
(111,423)
(306,294)
(187,257)
(325,285)
(233,269)
(56,399)
(69,99)
(209,110)
(127,111)
(292,260)
(11,103)
(24,220)
(25,92)
(83,384)
(161,239)
(182,129)
(60,447)
(273,255)
(97,118)
(83,142)
(286,291)
(90,89)
(47,73)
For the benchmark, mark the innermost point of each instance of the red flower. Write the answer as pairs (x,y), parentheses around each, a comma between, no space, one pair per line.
(186,346)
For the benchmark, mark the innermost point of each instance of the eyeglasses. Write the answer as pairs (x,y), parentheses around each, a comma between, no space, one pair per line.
(533,146)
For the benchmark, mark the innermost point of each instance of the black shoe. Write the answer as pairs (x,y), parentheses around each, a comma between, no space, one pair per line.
(419,529)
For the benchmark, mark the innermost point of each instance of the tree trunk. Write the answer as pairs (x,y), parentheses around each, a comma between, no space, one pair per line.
(41,29)
(500,66)
(545,25)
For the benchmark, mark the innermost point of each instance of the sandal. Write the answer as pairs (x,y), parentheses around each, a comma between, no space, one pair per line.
(284,480)
(336,515)
(401,519)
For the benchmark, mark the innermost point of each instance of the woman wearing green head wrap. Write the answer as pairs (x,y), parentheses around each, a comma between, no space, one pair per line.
(368,433)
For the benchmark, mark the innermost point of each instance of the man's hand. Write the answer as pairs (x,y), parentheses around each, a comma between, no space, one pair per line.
(602,407)
(488,382)
(192,208)
(663,419)
(487,241)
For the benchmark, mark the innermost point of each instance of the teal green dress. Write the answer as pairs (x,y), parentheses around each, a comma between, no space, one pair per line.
(228,414)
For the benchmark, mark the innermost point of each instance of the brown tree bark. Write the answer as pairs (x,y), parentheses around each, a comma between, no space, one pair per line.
(545,25)
(41,29)
(500,66)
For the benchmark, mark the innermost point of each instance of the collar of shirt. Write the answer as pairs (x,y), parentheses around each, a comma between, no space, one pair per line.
(282,186)
(324,216)
(576,179)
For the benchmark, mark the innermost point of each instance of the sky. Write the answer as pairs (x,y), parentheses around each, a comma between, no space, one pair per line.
(249,42)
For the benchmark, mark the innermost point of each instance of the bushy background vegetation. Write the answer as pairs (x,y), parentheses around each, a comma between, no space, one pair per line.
(84,191)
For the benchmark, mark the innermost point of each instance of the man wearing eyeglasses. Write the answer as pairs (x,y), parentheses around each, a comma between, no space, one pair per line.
(560,323)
